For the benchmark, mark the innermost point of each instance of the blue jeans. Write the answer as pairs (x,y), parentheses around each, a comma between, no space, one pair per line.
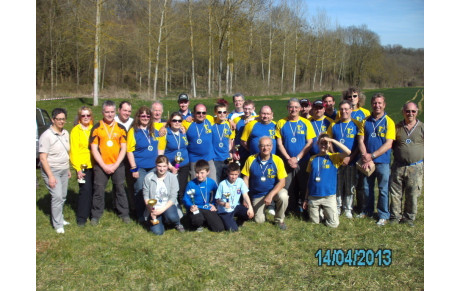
(170,216)
(138,194)
(240,212)
(382,174)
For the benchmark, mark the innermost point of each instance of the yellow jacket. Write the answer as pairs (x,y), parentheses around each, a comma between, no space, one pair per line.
(79,147)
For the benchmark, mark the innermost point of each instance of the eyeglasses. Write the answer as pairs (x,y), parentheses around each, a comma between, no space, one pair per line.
(176,120)
(222,112)
(354,96)
(144,116)
(59,119)
(411,111)
(85,115)
(200,112)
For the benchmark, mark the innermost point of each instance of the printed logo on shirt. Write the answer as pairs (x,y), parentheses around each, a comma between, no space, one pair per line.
(326,164)
(272,133)
(184,137)
(271,173)
(206,128)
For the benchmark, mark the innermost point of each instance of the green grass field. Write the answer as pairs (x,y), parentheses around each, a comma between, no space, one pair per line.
(116,256)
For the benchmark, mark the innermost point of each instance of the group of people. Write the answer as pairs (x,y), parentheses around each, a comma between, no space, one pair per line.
(239,164)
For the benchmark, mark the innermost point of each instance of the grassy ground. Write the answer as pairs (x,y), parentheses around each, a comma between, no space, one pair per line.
(116,256)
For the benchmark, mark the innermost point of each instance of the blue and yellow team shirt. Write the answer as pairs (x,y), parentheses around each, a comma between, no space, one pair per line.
(325,168)
(358,114)
(294,134)
(263,177)
(175,145)
(322,125)
(240,124)
(199,136)
(144,146)
(347,133)
(204,193)
(376,132)
(221,136)
(254,130)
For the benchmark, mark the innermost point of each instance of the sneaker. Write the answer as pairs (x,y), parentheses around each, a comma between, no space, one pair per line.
(281,225)
(199,229)
(66,223)
(348,214)
(271,210)
(408,222)
(381,222)
(361,215)
(94,221)
(60,230)
(339,211)
(126,219)
(180,228)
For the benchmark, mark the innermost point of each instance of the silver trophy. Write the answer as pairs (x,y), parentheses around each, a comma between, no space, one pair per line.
(191,193)
(83,168)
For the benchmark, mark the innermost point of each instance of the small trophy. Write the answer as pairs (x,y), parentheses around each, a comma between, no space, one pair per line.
(191,193)
(227,197)
(152,203)
(228,160)
(178,159)
(83,168)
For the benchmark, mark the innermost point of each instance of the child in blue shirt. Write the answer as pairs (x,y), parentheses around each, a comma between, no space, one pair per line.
(228,199)
(199,199)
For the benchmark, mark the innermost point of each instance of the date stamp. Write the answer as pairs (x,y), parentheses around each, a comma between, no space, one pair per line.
(354,257)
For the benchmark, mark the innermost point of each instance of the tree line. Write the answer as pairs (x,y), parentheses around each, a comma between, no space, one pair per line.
(208,48)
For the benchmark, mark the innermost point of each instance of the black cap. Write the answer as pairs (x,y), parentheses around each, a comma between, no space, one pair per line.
(183,96)
(318,103)
(305,101)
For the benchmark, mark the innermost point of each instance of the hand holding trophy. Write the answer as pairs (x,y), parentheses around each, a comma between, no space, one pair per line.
(191,193)
(178,159)
(152,203)
(83,168)
(227,198)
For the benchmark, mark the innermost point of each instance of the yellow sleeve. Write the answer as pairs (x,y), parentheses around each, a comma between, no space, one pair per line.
(247,130)
(279,126)
(232,132)
(210,119)
(336,160)
(365,111)
(186,124)
(162,142)
(391,129)
(310,130)
(280,167)
(158,125)
(245,171)
(131,143)
(75,148)
(361,128)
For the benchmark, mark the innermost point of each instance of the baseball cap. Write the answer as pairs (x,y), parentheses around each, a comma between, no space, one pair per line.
(318,103)
(182,97)
(305,101)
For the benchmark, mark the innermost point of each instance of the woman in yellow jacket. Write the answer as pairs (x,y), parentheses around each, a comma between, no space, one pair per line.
(80,158)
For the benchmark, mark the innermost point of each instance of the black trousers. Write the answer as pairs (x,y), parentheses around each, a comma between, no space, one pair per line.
(211,218)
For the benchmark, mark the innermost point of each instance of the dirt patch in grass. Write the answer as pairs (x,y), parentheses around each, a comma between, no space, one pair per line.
(42,246)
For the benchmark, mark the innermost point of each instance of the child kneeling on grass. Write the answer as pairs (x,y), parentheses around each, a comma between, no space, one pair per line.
(199,199)
(162,187)
(322,181)
(228,199)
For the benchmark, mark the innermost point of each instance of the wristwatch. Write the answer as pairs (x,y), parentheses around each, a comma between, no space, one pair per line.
(373,156)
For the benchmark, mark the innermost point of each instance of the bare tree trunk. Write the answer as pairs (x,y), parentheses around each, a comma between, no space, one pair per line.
(166,62)
(96,54)
(191,49)
(157,60)
(103,72)
(227,75)
(51,53)
(209,50)
(149,70)
(262,59)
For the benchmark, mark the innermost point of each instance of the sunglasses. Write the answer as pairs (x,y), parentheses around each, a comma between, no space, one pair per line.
(176,120)
(222,112)
(200,112)
(354,96)
(85,115)
(411,111)
(144,116)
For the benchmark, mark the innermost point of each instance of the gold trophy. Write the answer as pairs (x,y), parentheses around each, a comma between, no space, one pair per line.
(178,159)
(83,168)
(152,203)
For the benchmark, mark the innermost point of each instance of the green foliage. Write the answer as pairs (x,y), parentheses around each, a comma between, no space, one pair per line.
(116,256)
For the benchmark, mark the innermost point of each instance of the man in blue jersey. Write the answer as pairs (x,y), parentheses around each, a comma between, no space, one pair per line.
(184,103)
(239,153)
(263,126)
(199,136)
(222,140)
(375,146)
(265,176)
(238,101)
(346,132)
(294,137)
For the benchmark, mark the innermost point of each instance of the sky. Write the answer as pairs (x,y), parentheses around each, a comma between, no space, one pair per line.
(395,21)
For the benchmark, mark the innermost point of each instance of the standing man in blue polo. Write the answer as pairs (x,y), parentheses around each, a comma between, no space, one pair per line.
(254,130)
(265,176)
(375,146)
(199,136)
(294,137)
(184,103)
